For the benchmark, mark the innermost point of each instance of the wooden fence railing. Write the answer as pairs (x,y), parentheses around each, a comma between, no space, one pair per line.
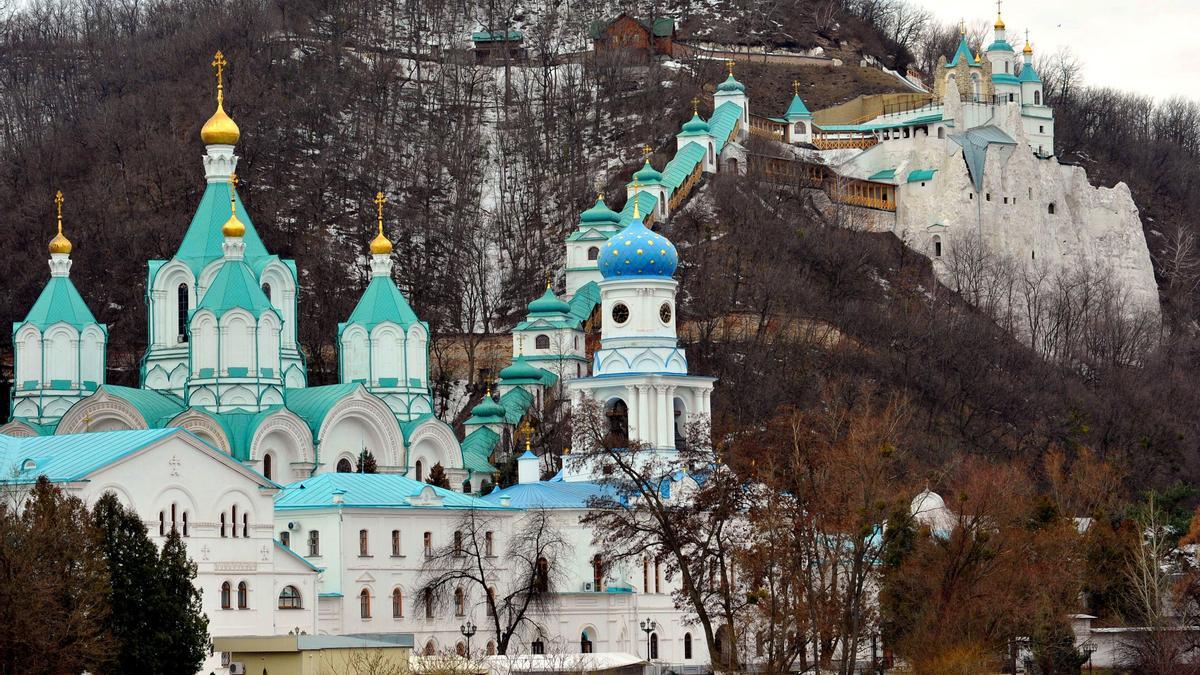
(843,190)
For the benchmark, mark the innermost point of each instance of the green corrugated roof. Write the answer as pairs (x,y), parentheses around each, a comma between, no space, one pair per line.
(515,402)
(367,490)
(59,302)
(584,301)
(918,175)
(313,403)
(201,244)
(156,407)
(235,287)
(721,124)
(797,110)
(381,302)
(72,457)
(682,165)
(497,36)
(646,204)
(477,448)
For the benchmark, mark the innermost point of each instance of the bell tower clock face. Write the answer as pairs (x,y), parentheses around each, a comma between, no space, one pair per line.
(620,313)
(664,312)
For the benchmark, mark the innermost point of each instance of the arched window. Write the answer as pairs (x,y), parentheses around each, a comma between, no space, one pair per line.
(543,575)
(181,304)
(460,648)
(428,544)
(653,646)
(460,602)
(537,647)
(243,595)
(314,543)
(364,604)
(618,421)
(267,465)
(174,518)
(420,471)
(222,523)
(397,603)
(1037,97)
(1050,208)
(185,524)
(226,601)
(542,342)
(489,539)
(466,487)
(233,520)
(585,643)
(430,648)
(458,544)
(598,571)
(289,598)
(266,289)
(343,466)
(645,575)
(428,601)
(937,246)
(491,648)
(687,646)
(657,577)
(396,543)
(593,253)
(363,544)
(162,524)
(491,603)
(246,525)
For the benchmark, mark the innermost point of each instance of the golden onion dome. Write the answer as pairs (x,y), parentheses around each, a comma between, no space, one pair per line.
(999,23)
(233,227)
(1028,48)
(381,245)
(220,129)
(59,244)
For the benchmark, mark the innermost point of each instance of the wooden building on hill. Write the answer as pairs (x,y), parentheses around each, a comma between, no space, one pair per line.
(649,37)
(499,46)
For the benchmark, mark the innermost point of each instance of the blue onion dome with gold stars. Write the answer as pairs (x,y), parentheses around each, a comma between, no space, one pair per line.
(647,174)
(600,214)
(638,252)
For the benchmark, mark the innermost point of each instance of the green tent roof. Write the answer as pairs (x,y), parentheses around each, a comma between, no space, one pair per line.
(201,244)
(380,303)
(59,302)
(797,109)
(235,287)
(963,52)
(1028,74)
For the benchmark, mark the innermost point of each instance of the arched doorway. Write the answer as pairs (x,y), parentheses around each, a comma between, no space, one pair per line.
(618,422)
(344,466)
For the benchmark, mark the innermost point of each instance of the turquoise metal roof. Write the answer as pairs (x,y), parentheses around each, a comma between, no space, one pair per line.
(963,52)
(497,36)
(647,175)
(723,119)
(1028,74)
(974,144)
(646,204)
(304,561)
(156,407)
(313,403)
(521,372)
(1004,78)
(72,457)
(407,428)
(584,301)
(885,174)
(515,402)
(477,447)
(731,84)
(239,428)
(682,165)
(368,490)
(382,302)
(599,215)
(1000,46)
(548,305)
(796,109)
(695,126)
(235,287)
(201,244)
(59,302)
(918,175)
(551,494)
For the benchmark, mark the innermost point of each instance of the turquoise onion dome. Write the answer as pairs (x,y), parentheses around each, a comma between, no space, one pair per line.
(488,409)
(647,174)
(695,126)
(600,214)
(548,304)
(731,84)
(638,252)
(520,370)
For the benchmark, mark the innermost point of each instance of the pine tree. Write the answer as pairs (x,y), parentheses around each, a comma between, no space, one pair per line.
(136,591)
(437,476)
(182,622)
(366,462)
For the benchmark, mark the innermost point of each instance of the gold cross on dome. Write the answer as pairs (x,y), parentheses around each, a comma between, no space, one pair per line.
(58,202)
(380,200)
(647,151)
(695,106)
(233,180)
(219,63)
(729,65)
(796,87)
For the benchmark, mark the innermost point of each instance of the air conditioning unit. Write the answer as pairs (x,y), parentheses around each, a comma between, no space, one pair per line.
(293,525)
(589,587)
(237,668)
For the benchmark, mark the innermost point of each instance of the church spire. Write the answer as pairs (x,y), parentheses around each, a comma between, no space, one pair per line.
(59,244)
(380,245)
(220,129)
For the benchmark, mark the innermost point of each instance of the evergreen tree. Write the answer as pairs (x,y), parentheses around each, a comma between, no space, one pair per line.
(366,462)
(437,477)
(181,623)
(136,593)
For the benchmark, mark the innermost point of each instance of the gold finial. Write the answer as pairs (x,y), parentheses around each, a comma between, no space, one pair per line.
(729,66)
(599,195)
(548,284)
(520,345)
(233,227)
(220,129)
(59,244)
(380,245)
(796,87)
(999,21)
(696,106)
(527,442)
(489,391)
(1028,47)
(962,26)
(566,451)
(636,214)
(977,59)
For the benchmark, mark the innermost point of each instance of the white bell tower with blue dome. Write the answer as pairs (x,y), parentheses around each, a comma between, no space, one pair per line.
(639,373)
